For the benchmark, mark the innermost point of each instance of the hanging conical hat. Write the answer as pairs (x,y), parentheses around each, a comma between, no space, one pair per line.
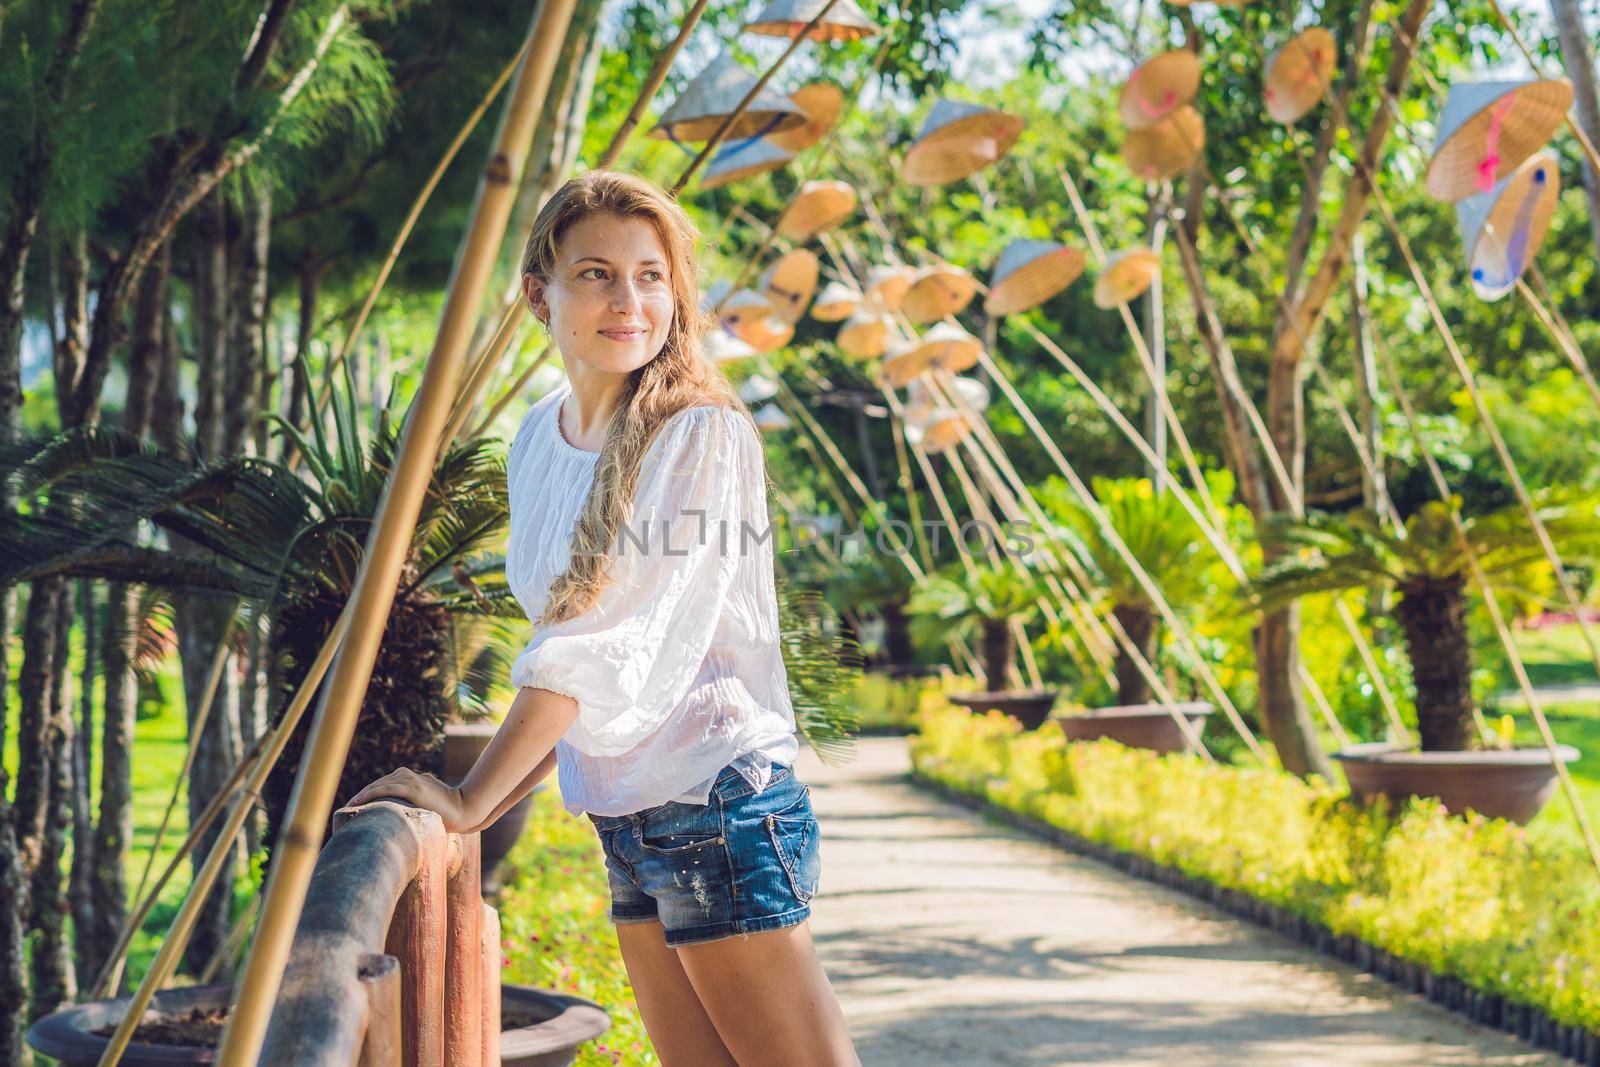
(789,282)
(745,305)
(1159,86)
(936,291)
(959,139)
(1488,128)
(1126,276)
(1503,228)
(920,399)
(835,303)
(903,362)
(949,347)
(744,160)
(1029,273)
(1299,73)
(818,206)
(864,335)
(844,21)
(723,347)
(941,428)
(757,388)
(770,417)
(714,94)
(767,333)
(887,285)
(1166,148)
(822,102)
(713,294)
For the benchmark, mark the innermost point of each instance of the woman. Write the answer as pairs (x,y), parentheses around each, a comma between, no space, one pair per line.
(640,546)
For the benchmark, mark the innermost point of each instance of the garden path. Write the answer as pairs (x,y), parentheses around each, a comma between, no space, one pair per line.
(952,939)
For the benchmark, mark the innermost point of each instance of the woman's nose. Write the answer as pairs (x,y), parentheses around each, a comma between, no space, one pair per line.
(624,296)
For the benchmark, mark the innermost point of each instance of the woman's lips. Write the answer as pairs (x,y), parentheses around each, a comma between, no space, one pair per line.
(624,333)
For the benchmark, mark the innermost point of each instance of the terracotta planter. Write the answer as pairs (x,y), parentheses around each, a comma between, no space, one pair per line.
(1030,707)
(1137,725)
(554,1026)
(1512,784)
(463,743)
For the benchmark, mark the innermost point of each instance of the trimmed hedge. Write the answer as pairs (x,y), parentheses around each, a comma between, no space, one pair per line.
(1474,899)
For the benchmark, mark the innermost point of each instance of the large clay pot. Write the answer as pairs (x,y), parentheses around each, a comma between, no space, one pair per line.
(554,1026)
(463,743)
(1030,707)
(1503,784)
(1138,725)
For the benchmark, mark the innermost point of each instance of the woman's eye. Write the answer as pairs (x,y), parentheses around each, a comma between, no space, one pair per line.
(652,276)
(592,272)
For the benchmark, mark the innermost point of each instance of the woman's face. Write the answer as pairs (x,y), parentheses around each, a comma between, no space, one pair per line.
(608,301)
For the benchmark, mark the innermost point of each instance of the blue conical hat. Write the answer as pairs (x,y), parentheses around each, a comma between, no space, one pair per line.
(743,159)
(844,21)
(1488,128)
(1030,272)
(714,94)
(1502,229)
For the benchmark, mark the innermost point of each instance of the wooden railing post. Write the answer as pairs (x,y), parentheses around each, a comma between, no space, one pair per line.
(463,978)
(380,1044)
(417,939)
(489,1004)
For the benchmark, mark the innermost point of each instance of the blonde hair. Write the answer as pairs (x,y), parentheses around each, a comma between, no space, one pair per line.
(677,378)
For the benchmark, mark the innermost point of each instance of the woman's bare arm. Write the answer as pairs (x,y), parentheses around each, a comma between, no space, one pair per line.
(523,788)
(526,739)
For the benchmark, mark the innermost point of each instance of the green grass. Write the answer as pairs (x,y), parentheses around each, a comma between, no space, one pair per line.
(1558,656)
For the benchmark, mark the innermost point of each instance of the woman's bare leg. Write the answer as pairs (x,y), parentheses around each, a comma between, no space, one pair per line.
(680,1030)
(770,999)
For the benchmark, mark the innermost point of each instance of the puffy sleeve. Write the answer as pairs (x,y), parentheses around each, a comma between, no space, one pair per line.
(630,659)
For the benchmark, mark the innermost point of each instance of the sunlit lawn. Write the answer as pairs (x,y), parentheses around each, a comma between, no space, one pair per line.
(1558,656)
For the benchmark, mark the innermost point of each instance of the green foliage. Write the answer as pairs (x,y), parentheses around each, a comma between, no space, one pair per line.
(1476,898)
(950,605)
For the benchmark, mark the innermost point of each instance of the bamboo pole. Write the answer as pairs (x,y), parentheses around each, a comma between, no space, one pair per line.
(386,549)
(652,84)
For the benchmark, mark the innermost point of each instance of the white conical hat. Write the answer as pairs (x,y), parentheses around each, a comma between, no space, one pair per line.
(823,102)
(745,305)
(1165,148)
(818,206)
(757,388)
(1488,128)
(1126,276)
(767,333)
(936,291)
(887,285)
(743,159)
(789,282)
(949,347)
(1503,228)
(835,303)
(1299,73)
(920,398)
(723,347)
(714,294)
(844,21)
(714,94)
(771,417)
(1158,86)
(1029,273)
(864,334)
(959,139)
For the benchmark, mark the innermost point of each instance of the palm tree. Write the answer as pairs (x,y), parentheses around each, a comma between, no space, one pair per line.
(873,582)
(948,606)
(1428,569)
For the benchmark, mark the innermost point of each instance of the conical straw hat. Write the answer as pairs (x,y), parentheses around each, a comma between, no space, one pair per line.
(822,102)
(959,139)
(835,303)
(1503,228)
(768,333)
(887,285)
(920,399)
(714,94)
(818,206)
(713,294)
(864,335)
(770,417)
(789,282)
(1299,73)
(1158,86)
(1166,148)
(786,18)
(758,388)
(745,305)
(949,347)
(724,347)
(1126,276)
(1029,273)
(743,160)
(903,362)
(943,427)
(936,291)
(1488,128)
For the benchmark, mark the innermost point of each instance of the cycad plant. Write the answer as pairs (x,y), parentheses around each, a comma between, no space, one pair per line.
(1428,570)
(950,606)
(875,582)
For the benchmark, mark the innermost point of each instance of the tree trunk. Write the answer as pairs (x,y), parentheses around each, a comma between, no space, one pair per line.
(997,648)
(81,892)
(51,975)
(896,633)
(34,720)
(253,707)
(1578,58)
(145,354)
(1143,628)
(166,411)
(1433,614)
(114,825)
(311,269)
(245,362)
(211,327)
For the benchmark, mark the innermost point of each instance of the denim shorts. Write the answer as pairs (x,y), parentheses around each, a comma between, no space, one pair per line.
(742,862)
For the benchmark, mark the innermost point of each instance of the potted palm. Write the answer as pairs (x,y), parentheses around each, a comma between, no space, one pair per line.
(999,597)
(870,583)
(1427,568)
(1161,536)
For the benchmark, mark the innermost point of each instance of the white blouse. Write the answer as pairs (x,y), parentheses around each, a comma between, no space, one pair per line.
(677,667)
